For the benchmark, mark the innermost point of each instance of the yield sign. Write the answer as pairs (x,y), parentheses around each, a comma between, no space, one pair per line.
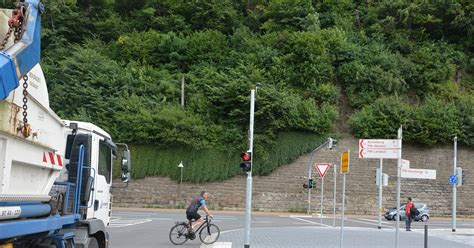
(322,168)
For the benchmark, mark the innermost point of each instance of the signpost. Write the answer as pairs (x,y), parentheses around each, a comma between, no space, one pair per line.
(378,148)
(388,149)
(418,173)
(399,168)
(380,174)
(334,199)
(454,184)
(322,169)
(344,169)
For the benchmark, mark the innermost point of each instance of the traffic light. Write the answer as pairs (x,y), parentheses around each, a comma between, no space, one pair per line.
(246,164)
(305,185)
(331,143)
(460,175)
(310,183)
(463,177)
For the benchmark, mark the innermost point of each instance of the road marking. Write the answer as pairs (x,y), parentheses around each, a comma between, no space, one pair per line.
(218,245)
(298,216)
(261,222)
(373,220)
(312,222)
(127,222)
(367,223)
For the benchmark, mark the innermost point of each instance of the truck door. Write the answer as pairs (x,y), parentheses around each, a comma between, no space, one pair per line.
(103,182)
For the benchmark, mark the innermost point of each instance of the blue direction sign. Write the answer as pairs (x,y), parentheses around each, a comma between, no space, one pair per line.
(453,179)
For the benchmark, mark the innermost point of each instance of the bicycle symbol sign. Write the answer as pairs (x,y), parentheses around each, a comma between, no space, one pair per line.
(453,179)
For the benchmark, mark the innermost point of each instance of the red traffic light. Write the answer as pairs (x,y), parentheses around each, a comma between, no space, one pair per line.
(245,156)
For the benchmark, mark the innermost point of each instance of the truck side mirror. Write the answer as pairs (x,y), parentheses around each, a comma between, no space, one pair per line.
(126,166)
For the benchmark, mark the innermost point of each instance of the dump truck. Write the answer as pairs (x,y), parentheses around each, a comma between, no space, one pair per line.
(55,174)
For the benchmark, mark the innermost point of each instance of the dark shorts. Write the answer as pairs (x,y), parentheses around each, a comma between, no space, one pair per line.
(193,215)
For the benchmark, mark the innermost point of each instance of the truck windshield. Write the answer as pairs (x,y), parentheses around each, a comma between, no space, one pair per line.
(105,161)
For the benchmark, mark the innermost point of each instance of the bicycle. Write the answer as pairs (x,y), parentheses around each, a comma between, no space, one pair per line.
(182,231)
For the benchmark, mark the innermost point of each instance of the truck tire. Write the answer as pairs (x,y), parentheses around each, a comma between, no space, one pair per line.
(93,243)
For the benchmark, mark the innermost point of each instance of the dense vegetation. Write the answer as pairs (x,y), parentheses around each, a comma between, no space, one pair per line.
(119,64)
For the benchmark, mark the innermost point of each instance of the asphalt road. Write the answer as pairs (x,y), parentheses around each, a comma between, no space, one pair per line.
(150,228)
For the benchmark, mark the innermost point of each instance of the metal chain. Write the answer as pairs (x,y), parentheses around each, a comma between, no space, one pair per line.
(25,99)
(15,24)
(6,38)
(26,128)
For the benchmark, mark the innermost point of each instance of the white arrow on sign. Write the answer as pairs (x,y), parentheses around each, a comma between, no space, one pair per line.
(378,153)
(322,168)
(379,143)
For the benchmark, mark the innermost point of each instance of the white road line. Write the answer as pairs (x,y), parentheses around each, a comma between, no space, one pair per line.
(261,222)
(312,222)
(298,216)
(367,223)
(374,220)
(218,245)
(114,223)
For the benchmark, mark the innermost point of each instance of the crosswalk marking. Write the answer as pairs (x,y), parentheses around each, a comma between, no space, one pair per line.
(119,222)
(312,222)
(218,245)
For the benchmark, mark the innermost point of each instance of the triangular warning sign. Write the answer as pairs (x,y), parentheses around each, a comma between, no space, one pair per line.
(322,168)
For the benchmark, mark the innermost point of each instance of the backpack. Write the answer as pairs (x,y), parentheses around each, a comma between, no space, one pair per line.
(414,211)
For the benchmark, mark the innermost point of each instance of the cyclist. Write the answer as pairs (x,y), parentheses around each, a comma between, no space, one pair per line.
(192,210)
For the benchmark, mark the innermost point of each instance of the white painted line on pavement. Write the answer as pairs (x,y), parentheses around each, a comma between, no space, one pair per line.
(299,216)
(127,222)
(218,245)
(367,223)
(312,222)
(374,220)
(262,222)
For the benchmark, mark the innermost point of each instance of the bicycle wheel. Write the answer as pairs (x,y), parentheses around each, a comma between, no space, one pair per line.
(209,234)
(178,234)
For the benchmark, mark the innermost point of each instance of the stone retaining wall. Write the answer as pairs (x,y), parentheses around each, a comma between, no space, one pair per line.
(282,190)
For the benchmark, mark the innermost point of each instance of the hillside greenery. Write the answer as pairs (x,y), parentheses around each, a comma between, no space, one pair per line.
(119,64)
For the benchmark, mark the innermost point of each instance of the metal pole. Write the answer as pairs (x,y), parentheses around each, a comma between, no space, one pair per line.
(343,204)
(399,168)
(309,190)
(380,193)
(426,236)
(334,199)
(248,207)
(322,201)
(181,186)
(310,172)
(182,92)
(454,185)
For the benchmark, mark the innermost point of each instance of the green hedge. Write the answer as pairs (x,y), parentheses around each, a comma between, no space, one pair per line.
(431,122)
(218,164)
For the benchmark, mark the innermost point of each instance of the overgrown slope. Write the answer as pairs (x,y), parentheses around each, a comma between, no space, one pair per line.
(120,63)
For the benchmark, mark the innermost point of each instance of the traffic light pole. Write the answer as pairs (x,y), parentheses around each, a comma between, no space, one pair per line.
(454,184)
(310,168)
(248,205)
(399,169)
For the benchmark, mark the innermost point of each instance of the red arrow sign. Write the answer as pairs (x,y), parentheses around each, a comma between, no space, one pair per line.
(322,168)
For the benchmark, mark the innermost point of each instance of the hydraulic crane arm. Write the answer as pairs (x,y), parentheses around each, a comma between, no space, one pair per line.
(20,57)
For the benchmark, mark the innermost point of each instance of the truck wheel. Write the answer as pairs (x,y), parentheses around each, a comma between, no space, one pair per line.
(93,243)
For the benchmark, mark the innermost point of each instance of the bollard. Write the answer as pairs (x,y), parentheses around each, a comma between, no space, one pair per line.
(426,236)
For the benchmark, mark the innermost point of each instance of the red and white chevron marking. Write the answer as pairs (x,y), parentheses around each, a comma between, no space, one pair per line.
(52,158)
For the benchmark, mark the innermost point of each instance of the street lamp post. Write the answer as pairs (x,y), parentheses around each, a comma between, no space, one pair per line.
(181,182)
